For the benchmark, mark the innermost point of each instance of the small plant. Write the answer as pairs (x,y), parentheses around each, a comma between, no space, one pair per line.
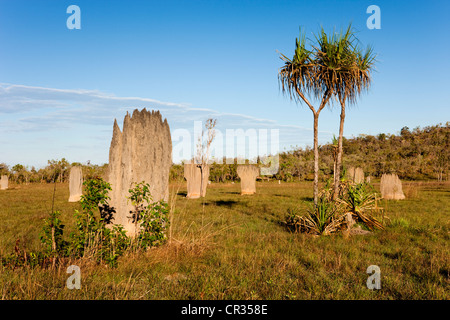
(114,243)
(360,202)
(292,219)
(93,236)
(400,222)
(52,235)
(322,219)
(140,197)
(356,202)
(150,218)
(328,191)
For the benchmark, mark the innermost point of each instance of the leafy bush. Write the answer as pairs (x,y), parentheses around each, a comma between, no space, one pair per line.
(150,218)
(323,219)
(93,237)
(52,235)
(98,238)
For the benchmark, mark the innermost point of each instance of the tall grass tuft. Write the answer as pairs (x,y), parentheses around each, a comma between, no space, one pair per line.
(356,202)
(323,219)
(360,201)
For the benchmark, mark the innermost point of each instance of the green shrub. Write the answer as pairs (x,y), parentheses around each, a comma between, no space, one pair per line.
(150,218)
(325,218)
(52,235)
(93,237)
(400,222)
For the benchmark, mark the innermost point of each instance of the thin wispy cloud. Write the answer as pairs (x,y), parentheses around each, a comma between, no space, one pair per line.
(79,117)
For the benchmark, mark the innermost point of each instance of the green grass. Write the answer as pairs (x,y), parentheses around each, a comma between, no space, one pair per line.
(230,246)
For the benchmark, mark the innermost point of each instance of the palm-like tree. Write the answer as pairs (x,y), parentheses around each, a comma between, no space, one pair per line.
(334,66)
(299,78)
(345,70)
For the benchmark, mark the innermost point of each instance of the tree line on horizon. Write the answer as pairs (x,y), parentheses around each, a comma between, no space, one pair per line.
(417,154)
(54,171)
(413,154)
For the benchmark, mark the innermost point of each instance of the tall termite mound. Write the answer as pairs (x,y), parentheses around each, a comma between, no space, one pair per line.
(4,182)
(391,187)
(142,151)
(247,173)
(355,174)
(196,188)
(75,184)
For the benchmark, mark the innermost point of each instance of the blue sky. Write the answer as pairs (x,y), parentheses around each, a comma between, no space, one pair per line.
(61,89)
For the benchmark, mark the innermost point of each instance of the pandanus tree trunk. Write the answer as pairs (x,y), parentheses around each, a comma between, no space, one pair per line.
(337,176)
(316,157)
(325,99)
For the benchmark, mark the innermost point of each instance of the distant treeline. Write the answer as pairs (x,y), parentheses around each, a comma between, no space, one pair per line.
(56,170)
(418,154)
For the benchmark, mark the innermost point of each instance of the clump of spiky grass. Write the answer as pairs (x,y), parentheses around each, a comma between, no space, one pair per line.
(360,201)
(322,219)
(356,202)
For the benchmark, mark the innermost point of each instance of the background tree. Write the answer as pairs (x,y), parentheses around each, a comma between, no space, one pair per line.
(59,169)
(4,169)
(19,173)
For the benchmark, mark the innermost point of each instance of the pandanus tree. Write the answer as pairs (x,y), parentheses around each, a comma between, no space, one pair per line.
(299,78)
(331,67)
(345,70)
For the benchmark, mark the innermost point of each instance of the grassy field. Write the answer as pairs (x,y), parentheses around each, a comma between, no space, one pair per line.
(229,246)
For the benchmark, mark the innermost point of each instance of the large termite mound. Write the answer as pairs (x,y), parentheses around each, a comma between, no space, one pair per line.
(355,174)
(75,184)
(391,187)
(142,151)
(196,188)
(247,173)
